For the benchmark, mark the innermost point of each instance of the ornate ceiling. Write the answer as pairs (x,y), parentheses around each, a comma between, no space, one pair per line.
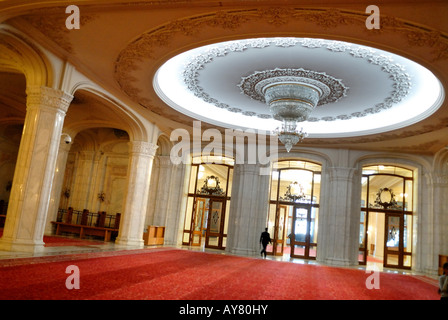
(121,45)
(373,91)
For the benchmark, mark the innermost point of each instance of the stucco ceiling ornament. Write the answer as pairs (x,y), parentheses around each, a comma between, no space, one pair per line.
(397,73)
(332,89)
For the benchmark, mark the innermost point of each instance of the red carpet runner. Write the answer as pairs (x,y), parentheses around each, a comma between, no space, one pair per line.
(166,274)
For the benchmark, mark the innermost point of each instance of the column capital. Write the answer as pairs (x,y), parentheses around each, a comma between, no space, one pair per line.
(143,148)
(341,173)
(49,98)
(439,178)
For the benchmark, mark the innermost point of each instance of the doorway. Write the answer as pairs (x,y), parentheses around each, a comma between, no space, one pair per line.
(386,216)
(303,237)
(294,208)
(388,239)
(208,202)
(295,231)
(208,222)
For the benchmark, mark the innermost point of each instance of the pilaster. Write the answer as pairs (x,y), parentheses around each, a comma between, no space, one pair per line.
(339,223)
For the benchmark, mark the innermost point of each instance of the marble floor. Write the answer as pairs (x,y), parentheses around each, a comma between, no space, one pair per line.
(110,246)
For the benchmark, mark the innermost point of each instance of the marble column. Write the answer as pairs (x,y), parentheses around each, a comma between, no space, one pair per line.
(58,180)
(339,221)
(248,209)
(36,162)
(141,158)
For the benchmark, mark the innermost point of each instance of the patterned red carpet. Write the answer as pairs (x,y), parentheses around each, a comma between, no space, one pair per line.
(171,274)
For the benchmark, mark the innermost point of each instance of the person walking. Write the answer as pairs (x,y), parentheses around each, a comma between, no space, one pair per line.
(265,239)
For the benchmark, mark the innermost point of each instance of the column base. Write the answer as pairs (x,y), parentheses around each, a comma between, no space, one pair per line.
(243,251)
(130,242)
(29,246)
(339,262)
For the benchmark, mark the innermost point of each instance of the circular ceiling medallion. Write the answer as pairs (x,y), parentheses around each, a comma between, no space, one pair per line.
(363,90)
(331,89)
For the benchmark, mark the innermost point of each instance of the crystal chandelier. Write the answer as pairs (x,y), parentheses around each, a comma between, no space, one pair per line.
(289,135)
(291,102)
(291,95)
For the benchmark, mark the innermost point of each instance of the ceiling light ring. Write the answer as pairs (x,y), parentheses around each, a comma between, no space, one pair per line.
(402,80)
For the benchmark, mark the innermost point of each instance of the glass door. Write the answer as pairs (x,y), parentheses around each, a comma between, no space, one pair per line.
(393,248)
(303,237)
(281,224)
(215,224)
(199,221)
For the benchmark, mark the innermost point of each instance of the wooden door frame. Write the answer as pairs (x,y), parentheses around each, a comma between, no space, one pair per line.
(220,234)
(401,254)
(193,221)
(307,243)
(276,240)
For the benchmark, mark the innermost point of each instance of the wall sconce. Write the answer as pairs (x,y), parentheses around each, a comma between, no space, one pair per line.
(101,196)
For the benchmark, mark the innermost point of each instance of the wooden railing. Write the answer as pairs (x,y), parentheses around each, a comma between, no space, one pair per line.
(87,223)
(87,218)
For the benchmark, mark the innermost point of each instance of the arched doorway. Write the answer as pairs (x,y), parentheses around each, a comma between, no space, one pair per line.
(294,208)
(386,216)
(206,217)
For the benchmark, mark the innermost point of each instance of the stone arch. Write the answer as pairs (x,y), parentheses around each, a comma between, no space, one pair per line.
(18,54)
(164,144)
(103,153)
(125,119)
(307,155)
(441,162)
(426,226)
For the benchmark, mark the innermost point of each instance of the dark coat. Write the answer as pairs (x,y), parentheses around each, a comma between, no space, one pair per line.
(265,238)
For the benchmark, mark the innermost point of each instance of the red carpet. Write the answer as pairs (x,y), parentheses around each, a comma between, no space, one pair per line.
(170,274)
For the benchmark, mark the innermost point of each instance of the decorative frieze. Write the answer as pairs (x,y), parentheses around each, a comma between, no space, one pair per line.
(145,45)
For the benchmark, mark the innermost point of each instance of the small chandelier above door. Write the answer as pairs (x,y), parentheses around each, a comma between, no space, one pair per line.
(211,187)
(294,192)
